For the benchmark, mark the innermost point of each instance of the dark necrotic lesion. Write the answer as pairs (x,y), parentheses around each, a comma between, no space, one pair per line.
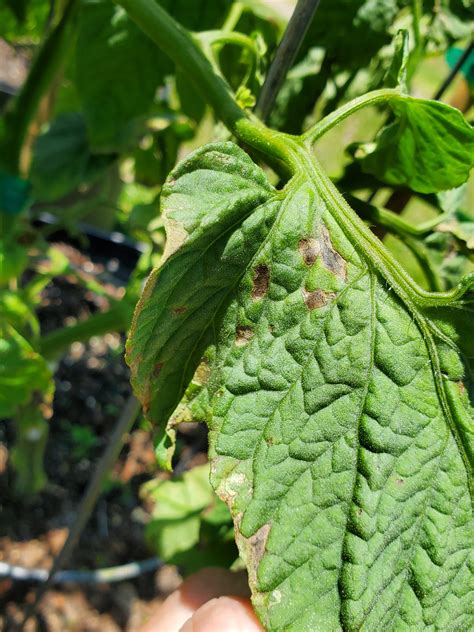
(243,335)
(318,298)
(332,260)
(311,248)
(261,281)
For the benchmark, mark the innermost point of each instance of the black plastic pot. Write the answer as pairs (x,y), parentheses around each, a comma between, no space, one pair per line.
(102,247)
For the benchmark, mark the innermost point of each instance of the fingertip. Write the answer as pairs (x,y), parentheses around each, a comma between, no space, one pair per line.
(223,614)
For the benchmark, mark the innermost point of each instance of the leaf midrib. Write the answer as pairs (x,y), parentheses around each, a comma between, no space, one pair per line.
(403,286)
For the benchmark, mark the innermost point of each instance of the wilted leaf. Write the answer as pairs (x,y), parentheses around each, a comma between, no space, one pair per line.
(397,72)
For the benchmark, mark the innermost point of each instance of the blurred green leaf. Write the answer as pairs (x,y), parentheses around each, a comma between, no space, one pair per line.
(397,72)
(352,31)
(13,260)
(118,70)
(29,28)
(24,374)
(18,8)
(190,525)
(62,159)
(18,313)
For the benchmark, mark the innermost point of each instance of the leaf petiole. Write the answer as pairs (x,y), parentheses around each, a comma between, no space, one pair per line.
(328,122)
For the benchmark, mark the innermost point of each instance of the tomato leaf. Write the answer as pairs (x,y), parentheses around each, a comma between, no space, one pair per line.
(62,159)
(23,373)
(117,72)
(189,525)
(397,72)
(208,244)
(341,437)
(429,147)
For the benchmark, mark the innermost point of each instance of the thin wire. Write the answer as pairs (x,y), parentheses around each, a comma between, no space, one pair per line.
(98,576)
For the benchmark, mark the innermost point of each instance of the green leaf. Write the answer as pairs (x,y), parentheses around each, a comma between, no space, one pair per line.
(189,524)
(62,159)
(18,8)
(13,260)
(352,22)
(118,70)
(18,24)
(459,222)
(429,148)
(24,374)
(341,437)
(205,203)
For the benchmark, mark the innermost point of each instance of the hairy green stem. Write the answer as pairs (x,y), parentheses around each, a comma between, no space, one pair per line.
(117,318)
(391,220)
(184,50)
(45,67)
(371,98)
(233,17)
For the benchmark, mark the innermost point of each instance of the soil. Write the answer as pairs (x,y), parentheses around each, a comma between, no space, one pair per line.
(92,385)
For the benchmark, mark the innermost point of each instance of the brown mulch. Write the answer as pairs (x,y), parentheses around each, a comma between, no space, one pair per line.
(92,385)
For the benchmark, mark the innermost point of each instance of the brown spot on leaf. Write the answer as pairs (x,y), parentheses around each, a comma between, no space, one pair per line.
(261,281)
(332,260)
(243,335)
(176,235)
(157,369)
(256,545)
(309,249)
(180,310)
(461,388)
(399,481)
(318,298)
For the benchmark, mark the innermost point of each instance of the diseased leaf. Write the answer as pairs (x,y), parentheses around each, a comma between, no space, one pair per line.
(342,437)
(205,202)
(429,148)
